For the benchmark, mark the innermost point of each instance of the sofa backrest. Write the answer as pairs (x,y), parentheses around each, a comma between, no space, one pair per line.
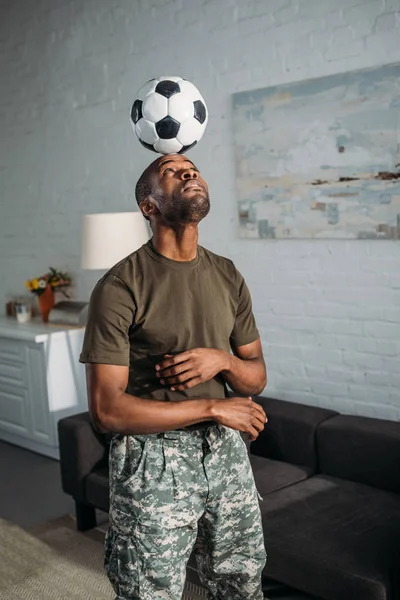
(361,449)
(290,433)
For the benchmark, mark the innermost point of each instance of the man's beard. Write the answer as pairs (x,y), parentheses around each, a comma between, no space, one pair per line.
(178,209)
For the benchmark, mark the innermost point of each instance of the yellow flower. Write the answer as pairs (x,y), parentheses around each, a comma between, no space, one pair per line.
(35,284)
(28,284)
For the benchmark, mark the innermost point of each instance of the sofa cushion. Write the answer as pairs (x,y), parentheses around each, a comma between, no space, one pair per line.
(334,539)
(271,475)
(289,435)
(97,488)
(361,449)
(274,590)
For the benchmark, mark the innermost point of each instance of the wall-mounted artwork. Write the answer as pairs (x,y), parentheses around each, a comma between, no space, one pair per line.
(320,158)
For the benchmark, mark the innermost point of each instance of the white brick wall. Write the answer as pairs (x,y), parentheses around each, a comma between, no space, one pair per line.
(328,311)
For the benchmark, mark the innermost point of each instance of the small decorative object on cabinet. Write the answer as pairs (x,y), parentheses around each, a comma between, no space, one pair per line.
(41,381)
(46,303)
(44,288)
(23,312)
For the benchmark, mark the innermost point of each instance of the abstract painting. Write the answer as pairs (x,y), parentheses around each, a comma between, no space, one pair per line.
(320,158)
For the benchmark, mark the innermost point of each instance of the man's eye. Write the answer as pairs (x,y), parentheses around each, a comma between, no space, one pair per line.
(166,170)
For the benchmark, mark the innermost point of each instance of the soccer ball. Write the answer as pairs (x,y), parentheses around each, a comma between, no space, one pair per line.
(169,115)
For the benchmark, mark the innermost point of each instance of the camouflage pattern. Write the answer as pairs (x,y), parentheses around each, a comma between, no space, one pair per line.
(178,490)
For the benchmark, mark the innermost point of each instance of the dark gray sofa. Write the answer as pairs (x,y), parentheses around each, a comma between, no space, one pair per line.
(331,498)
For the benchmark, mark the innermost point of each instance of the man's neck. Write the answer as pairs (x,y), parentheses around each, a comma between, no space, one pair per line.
(178,244)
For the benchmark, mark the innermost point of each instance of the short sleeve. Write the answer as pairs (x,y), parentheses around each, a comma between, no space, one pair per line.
(244,330)
(110,315)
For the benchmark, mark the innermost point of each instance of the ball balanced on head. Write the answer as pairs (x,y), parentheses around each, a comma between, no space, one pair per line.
(169,115)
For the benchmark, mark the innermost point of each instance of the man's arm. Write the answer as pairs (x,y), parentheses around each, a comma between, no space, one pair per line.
(245,373)
(112,409)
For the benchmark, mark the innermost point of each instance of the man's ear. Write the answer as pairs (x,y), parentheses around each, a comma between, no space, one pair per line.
(148,207)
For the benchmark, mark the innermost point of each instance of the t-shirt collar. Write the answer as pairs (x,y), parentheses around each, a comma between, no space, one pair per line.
(175,264)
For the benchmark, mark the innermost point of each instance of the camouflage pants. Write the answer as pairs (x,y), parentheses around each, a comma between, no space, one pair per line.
(172,492)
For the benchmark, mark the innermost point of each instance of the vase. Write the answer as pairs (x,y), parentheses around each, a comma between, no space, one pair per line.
(46,303)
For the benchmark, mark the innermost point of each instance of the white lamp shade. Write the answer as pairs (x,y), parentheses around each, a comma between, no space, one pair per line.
(107,238)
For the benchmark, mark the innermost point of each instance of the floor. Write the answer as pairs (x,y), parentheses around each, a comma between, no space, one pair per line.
(31,492)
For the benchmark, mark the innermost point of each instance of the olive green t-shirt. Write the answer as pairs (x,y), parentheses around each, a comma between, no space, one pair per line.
(148,305)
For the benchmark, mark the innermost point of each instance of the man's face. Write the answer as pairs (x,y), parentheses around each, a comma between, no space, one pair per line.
(179,191)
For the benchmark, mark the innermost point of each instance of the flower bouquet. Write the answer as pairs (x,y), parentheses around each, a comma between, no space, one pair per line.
(45,286)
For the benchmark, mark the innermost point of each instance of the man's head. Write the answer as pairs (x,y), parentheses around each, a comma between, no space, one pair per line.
(172,189)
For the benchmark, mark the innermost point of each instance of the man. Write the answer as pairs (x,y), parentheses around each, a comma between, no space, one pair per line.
(161,325)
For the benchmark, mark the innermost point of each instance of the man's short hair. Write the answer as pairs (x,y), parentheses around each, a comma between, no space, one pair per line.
(143,187)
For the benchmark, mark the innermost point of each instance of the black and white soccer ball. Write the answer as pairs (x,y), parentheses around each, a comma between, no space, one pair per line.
(169,115)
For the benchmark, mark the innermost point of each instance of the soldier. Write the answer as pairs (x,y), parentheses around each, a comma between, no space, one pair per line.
(169,326)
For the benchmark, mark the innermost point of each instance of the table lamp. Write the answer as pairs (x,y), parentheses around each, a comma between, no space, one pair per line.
(108,237)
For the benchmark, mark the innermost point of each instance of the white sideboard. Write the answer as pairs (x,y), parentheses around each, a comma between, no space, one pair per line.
(41,381)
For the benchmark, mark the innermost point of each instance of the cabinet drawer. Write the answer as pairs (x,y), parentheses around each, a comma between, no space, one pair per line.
(13,374)
(11,351)
(14,413)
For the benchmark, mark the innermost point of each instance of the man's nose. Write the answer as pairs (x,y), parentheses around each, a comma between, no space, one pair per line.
(189,174)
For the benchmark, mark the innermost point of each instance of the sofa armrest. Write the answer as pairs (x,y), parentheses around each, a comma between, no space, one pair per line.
(81,449)
(290,434)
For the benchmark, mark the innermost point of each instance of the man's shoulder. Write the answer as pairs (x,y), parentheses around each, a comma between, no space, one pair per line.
(122,274)
(223,267)
(125,268)
(217,260)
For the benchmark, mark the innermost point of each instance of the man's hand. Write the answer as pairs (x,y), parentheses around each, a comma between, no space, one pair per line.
(187,369)
(241,414)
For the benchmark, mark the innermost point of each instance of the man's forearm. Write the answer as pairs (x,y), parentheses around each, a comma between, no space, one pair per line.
(131,415)
(245,376)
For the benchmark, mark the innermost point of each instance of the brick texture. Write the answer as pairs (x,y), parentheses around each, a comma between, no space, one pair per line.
(328,311)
